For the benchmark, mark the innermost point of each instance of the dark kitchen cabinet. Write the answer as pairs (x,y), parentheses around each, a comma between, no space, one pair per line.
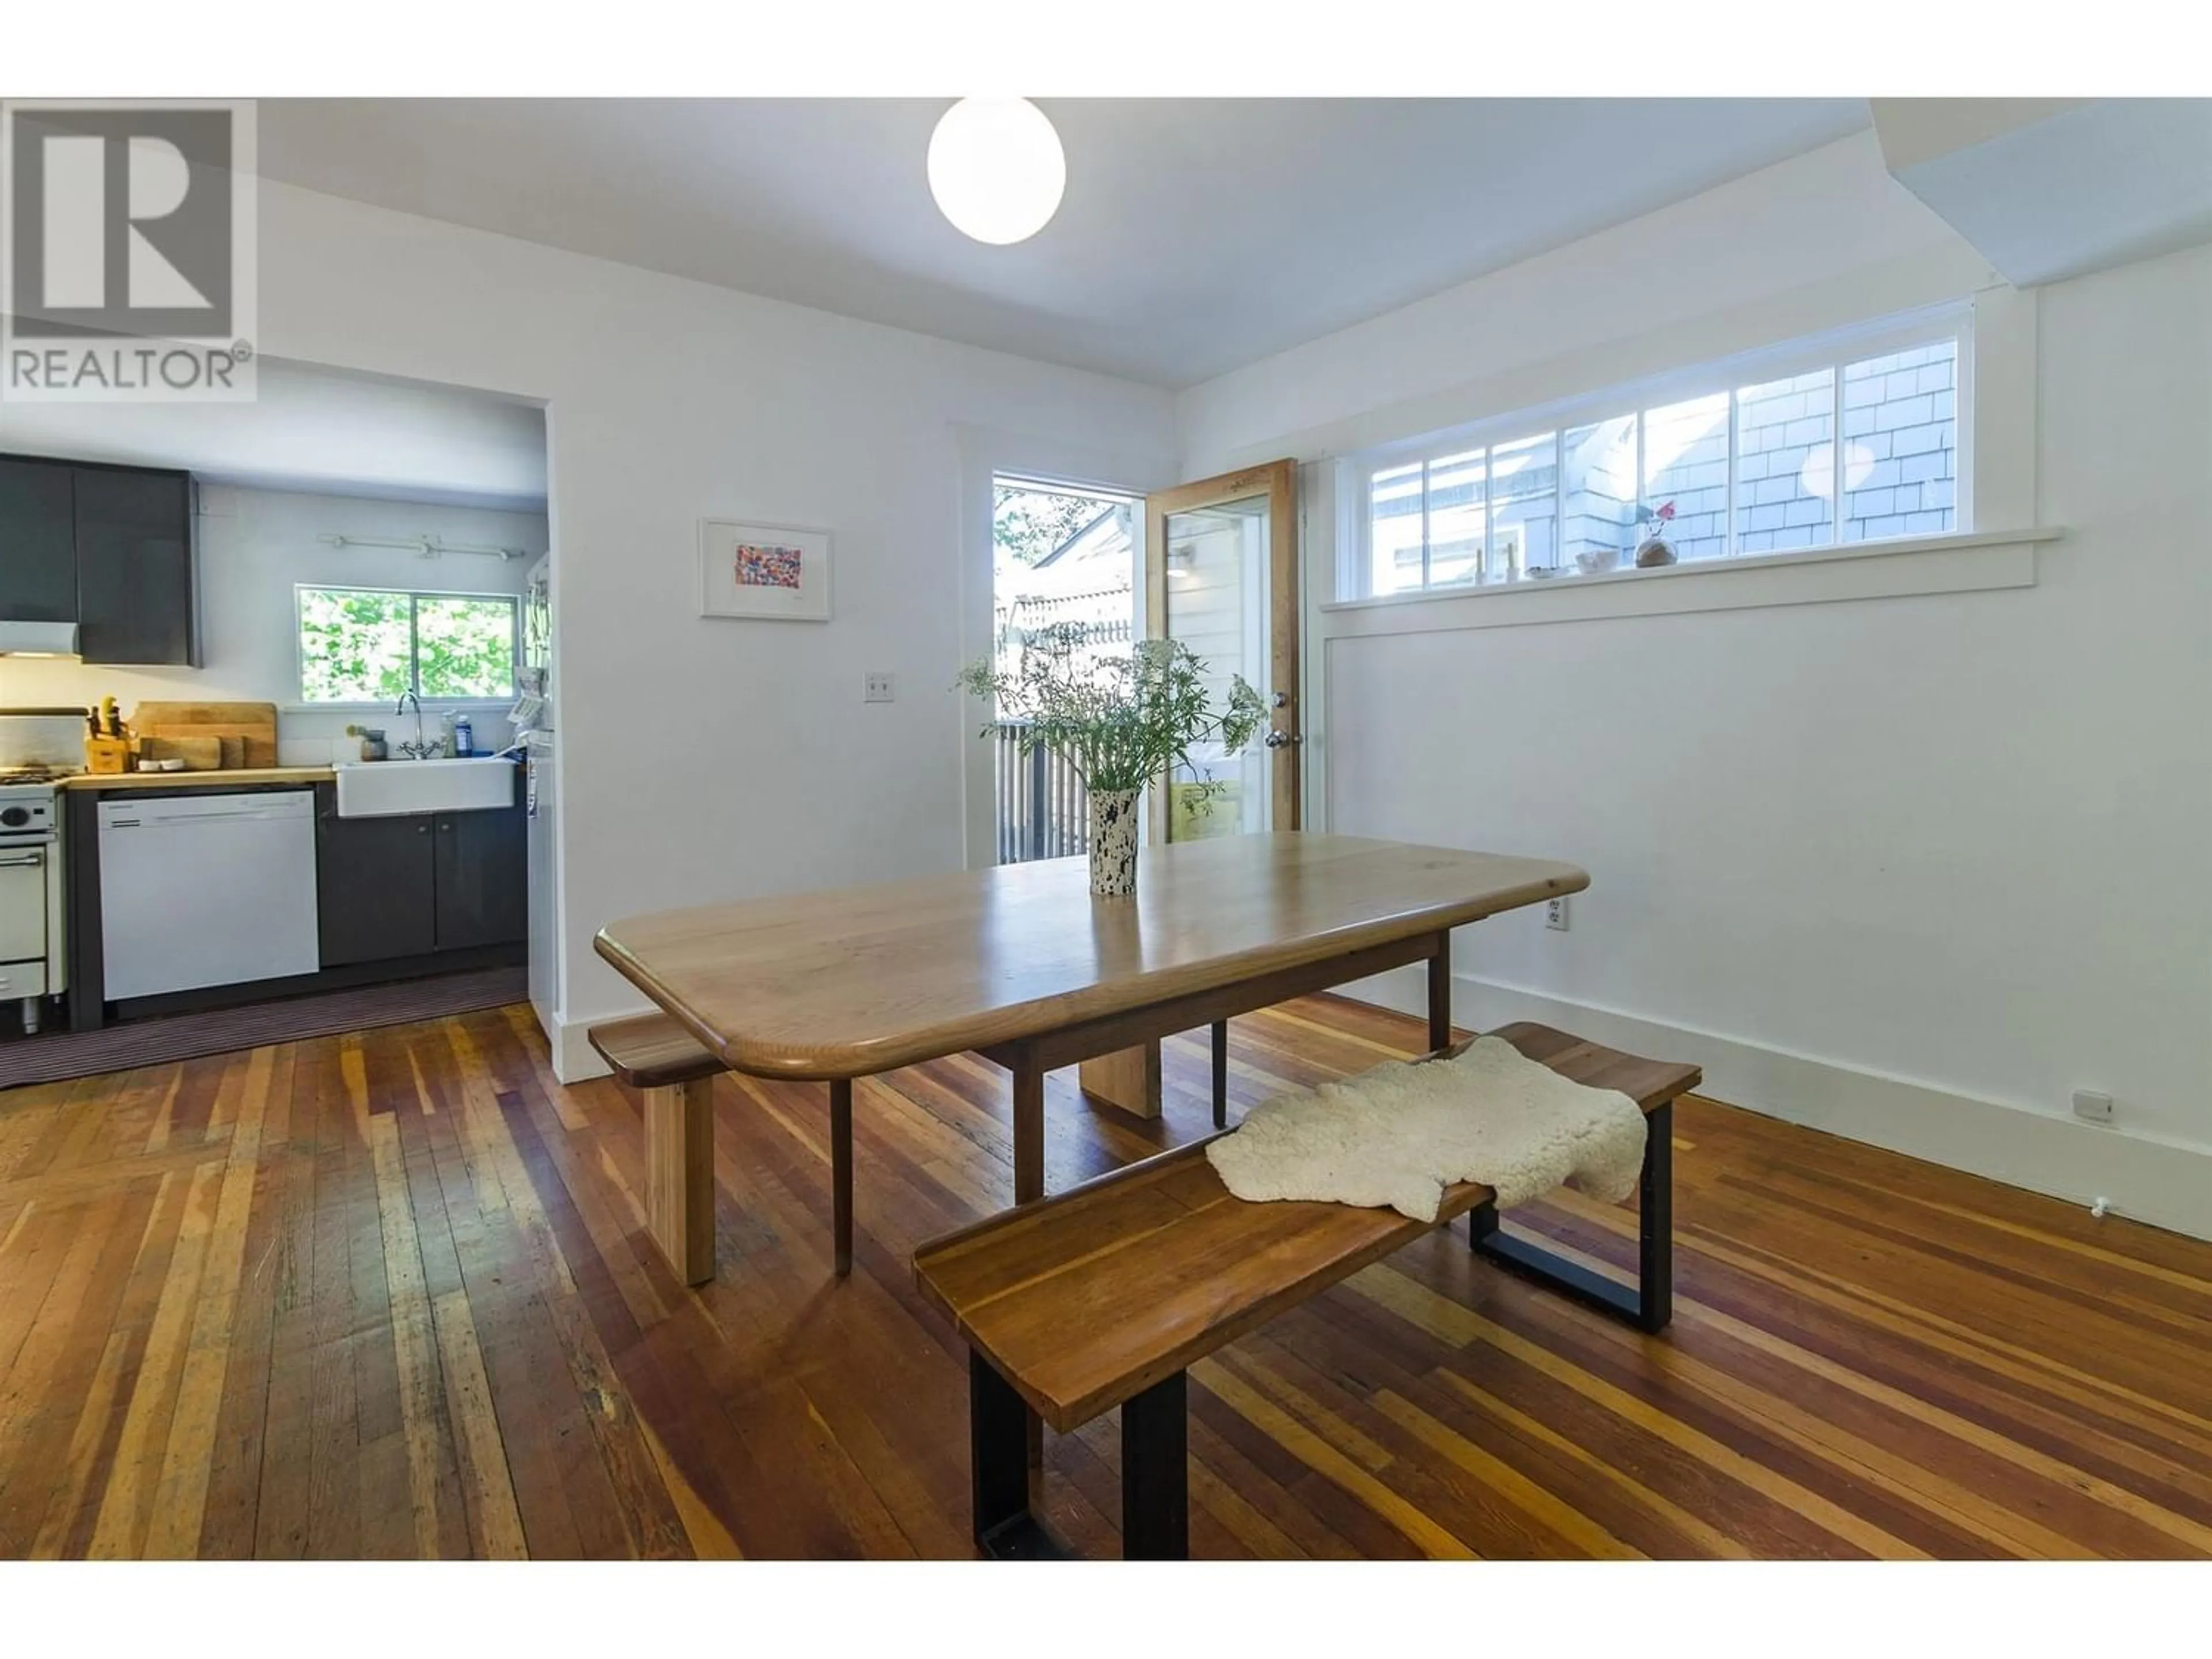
(375,886)
(135,589)
(421,884)
(483,878)
(108,548)
(38,542)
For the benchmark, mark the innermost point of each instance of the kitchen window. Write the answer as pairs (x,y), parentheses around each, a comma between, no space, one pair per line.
(1855,438)
(370,645)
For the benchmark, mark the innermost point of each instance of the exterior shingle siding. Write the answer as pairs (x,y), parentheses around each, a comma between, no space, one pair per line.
(1898,459)
(1873,530)
(1904,411)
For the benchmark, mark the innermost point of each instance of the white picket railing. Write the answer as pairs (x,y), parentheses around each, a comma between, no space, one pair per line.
(1043,809)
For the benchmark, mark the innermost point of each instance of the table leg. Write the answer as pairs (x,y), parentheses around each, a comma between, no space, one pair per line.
(679,1176)
(1029,1186)
(1440,1008)
(1129,1078)
(1029,1131)
(1220,1073)
(840,1172)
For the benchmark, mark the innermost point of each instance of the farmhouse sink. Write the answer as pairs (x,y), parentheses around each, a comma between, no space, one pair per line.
(383,789)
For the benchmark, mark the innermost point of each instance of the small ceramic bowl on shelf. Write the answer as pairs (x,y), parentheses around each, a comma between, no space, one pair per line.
(1591,564)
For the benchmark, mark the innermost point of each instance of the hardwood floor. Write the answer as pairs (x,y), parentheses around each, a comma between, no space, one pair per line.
(389,1295)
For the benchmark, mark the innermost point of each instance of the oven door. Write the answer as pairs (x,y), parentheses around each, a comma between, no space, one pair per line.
(23,902)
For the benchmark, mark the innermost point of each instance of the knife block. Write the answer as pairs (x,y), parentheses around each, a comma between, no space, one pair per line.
(103,757)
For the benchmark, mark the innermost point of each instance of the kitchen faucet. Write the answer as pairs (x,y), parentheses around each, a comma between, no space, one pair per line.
(417,749)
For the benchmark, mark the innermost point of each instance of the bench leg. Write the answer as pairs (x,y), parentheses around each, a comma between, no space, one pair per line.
(998,1424)
(679,1176)
(1155,1473)
(1650,1305)
(841,1173)
(1220,1073)
(1655,1205)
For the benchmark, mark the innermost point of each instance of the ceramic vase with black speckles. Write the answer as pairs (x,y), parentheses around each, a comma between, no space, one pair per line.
(1114,843)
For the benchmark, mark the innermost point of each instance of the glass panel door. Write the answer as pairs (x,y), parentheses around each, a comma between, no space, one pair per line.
(1221,571)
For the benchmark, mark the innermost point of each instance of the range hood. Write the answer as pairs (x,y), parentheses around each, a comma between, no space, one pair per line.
(37,639)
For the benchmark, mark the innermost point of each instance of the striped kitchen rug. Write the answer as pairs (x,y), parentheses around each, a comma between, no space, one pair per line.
(65,1054)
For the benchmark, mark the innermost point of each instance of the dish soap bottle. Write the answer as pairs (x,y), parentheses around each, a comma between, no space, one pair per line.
(465,738)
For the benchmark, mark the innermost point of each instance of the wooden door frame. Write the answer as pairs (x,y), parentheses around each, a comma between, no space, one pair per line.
(1278,482)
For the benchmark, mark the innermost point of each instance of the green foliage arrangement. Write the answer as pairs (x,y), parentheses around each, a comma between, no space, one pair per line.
(1030,523)
(1120,721)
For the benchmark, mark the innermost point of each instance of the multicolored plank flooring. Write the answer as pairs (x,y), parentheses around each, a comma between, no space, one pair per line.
(388,1294)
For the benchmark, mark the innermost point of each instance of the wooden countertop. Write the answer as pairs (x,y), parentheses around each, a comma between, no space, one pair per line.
(857,982)
(230,779)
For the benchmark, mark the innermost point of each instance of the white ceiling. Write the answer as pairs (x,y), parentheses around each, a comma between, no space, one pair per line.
(2046,189)
(1197,235)
(314,429)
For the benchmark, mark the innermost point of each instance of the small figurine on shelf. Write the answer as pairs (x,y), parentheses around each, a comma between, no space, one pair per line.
(1653,550)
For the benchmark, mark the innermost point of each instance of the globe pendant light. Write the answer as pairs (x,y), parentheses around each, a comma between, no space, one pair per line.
(996,169)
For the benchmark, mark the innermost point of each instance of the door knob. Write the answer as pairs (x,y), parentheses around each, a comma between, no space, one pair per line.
(1283,739)
(1282,700)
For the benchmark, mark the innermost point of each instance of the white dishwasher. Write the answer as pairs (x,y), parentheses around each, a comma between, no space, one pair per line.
(206,890)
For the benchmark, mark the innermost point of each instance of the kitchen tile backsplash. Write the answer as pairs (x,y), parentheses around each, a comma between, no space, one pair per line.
(319,748)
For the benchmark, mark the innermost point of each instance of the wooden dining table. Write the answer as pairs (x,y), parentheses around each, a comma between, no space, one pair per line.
(1022,964)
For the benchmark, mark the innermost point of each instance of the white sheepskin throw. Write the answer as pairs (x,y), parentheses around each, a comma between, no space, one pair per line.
(1399,1134)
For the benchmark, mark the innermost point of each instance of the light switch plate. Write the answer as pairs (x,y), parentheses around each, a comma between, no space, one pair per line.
(877,688)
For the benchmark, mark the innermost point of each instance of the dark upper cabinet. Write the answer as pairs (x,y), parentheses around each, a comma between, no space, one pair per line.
(483,891)
(375,886)
(38,542)
(134,567)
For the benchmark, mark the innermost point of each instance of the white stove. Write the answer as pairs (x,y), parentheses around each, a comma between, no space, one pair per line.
(33,898)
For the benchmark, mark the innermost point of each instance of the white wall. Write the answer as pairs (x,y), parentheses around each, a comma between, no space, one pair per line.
(702,760)
(1912,868)
(255,545)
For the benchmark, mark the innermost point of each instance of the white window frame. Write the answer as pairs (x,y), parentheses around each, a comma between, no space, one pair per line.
(414,645)
(1833,350)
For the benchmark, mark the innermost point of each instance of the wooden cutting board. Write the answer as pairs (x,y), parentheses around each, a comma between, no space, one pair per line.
(198,754)
(250,726)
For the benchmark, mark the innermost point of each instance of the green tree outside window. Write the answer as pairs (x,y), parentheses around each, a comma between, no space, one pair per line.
(365,645)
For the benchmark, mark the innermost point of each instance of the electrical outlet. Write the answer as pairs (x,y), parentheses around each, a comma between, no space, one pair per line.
(877,688)
(2092,1107)
(1555,915)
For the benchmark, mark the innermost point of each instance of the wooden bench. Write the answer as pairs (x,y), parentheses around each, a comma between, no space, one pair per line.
(675,1073)
(1106,1294)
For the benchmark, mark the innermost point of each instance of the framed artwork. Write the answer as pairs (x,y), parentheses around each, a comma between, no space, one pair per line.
(769,572)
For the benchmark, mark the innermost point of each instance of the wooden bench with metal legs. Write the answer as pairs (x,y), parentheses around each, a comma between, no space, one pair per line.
(675,1073)
(1106,1294)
